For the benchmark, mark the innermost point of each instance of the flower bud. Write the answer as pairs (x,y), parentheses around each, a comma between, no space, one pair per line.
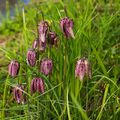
(42,31)
(66,25)
(37,84)
(52,38)
(46,66)
(35,44)
(18,94)
(31,57)
(82,69)
(13,68)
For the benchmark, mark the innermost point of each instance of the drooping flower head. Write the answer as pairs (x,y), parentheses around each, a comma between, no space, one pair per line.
(46,66)
(66,25)
(52,38)
(82,68)
(37,84)
(18,94)
(42,31)
(31,57)
(35,44)
(13,68)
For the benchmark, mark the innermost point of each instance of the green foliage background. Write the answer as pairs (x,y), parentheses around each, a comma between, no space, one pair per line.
(97,37)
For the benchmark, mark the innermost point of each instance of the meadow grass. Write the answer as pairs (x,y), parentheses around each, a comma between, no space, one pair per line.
(97,37)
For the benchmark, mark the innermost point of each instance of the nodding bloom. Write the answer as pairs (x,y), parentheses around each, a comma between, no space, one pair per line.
(52,38)
(37,84)
(46,66)
(82,68)
(31,57)
(35,44)
(66,25)
(42,31)
(13,68)
(18,94)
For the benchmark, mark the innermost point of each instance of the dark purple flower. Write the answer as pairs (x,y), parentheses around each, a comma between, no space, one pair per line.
(33,86)
(46,66)
(52,38)
(82,68)
(37,84)
(35,44)
(31,57)
(18,94)
(66,25)
(13,68)
(42,31)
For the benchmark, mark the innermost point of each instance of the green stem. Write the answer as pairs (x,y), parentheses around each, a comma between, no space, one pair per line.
(4,97)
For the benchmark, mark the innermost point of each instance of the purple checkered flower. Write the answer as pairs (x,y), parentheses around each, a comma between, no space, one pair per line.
(82,68)
(31,57)
(13,68)
(66,25)
(18,94)
(46,66)
(42,31)
(37,84)
(52,39)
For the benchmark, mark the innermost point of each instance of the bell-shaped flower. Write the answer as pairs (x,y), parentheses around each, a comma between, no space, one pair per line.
(82,68)
(18,94)
(13,68)
(37,84)
(42,31)
(66,25)
(46,66)
(52,39)
(31,57)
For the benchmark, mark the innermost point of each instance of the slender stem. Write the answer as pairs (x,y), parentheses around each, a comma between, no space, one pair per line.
(65,9)
(87,96)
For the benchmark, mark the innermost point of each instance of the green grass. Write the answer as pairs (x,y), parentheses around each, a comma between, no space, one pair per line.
(97,37)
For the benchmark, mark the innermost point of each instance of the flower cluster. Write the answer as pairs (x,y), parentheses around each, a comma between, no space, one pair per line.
(45,64)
